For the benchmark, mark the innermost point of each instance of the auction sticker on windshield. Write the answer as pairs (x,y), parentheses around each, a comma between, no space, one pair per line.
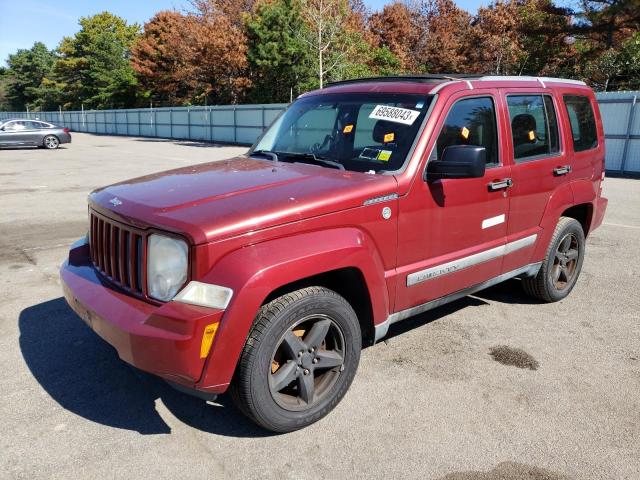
(394,114)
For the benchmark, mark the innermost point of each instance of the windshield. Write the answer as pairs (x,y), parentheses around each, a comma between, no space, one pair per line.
(364,132)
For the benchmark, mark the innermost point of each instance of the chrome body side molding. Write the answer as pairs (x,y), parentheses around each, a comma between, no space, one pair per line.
(383,198)
(470,261)
(527,271)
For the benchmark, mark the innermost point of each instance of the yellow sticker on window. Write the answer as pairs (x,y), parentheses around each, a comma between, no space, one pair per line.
(465,133)
(347,128)
(532,135)
(384,155)
(389,137)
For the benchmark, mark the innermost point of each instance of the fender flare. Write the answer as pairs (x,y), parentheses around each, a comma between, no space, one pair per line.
(584,194)
(560,200)
(254,271)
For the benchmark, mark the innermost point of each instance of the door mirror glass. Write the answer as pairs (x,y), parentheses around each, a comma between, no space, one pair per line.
(459,161)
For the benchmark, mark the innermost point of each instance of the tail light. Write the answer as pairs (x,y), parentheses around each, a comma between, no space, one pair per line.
(66,130)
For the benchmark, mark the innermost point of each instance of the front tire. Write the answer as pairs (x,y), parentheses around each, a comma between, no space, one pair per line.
(51,142)
(299,359)
(562,264)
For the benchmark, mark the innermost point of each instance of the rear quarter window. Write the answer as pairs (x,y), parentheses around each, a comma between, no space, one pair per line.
(583,123)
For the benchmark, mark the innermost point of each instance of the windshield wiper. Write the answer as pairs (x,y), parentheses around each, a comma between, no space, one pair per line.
(311,158)
(266,153)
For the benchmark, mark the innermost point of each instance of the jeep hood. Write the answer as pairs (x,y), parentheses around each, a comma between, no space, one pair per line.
(221,199)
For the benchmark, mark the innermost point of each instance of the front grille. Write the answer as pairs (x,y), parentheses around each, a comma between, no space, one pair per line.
(118,251)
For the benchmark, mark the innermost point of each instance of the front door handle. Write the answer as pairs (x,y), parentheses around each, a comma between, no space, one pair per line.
(561,170)
(500,184)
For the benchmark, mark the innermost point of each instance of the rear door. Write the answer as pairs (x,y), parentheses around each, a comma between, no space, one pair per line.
(452,231)
(539,167)
(33,133)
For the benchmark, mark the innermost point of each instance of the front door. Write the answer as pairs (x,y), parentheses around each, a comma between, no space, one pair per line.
(13,133)
(452,231)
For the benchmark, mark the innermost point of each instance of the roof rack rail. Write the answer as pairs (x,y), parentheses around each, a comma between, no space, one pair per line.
(428,77)
(525,78)
(420,77)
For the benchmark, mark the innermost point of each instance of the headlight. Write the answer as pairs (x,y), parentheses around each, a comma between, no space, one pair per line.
(167,264)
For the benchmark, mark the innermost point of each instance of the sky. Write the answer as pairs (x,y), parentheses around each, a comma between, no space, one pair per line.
(23,22)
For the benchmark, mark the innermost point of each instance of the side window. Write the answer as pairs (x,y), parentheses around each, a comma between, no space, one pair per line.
(534,126)
(471,121)
(583,123)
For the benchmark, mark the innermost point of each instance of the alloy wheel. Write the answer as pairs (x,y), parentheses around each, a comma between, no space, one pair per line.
(565,262)
(51,142)
(307,362)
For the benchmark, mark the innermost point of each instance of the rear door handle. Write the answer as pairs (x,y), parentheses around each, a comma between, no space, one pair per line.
(500,184)
(561,170)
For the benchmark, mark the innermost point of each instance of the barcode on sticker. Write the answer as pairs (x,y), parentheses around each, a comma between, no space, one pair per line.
(394,114)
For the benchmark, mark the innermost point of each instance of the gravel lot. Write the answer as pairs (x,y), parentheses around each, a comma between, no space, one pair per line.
(430,402)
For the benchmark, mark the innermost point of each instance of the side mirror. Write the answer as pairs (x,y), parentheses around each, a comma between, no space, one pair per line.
(458,161)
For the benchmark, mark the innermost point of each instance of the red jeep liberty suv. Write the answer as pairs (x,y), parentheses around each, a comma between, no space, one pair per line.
(363,204)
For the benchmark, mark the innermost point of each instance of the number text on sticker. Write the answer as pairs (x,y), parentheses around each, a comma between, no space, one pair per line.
(394,114)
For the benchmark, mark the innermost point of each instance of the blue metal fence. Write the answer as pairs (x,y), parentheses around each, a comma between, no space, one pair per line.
(621,122)
(237,124)
(243,124)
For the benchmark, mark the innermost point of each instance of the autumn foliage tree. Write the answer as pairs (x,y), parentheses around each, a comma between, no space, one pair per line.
(402,30)
(164,59)
(198,57)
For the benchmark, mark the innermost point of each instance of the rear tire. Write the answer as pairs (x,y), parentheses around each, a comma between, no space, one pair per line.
(299,359)
(562,264)
(51,142)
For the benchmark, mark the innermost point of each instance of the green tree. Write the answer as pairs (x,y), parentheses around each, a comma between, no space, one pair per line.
(94,66)
(616,69)
(364,60)
(279,61)
(27,70)
(4,81)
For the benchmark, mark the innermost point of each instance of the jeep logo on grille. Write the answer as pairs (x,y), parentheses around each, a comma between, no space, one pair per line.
(115,201)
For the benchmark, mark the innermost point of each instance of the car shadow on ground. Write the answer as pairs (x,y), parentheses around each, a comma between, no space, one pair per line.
(85,376)
(509,291)
(29,147)
(430,316)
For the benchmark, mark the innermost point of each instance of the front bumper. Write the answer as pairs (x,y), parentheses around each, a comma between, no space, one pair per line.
(163,340)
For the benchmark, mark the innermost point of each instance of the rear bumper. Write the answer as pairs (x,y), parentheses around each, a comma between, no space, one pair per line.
(163,340)
(65,138)
(598,215)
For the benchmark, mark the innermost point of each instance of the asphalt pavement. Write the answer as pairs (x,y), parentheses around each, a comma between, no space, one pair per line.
(492,387)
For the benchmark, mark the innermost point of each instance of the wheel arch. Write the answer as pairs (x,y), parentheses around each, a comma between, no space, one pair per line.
(349,282)
(345,260)
(583,213)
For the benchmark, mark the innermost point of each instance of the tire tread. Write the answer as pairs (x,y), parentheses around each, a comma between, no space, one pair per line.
(537,286)
(240,388)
